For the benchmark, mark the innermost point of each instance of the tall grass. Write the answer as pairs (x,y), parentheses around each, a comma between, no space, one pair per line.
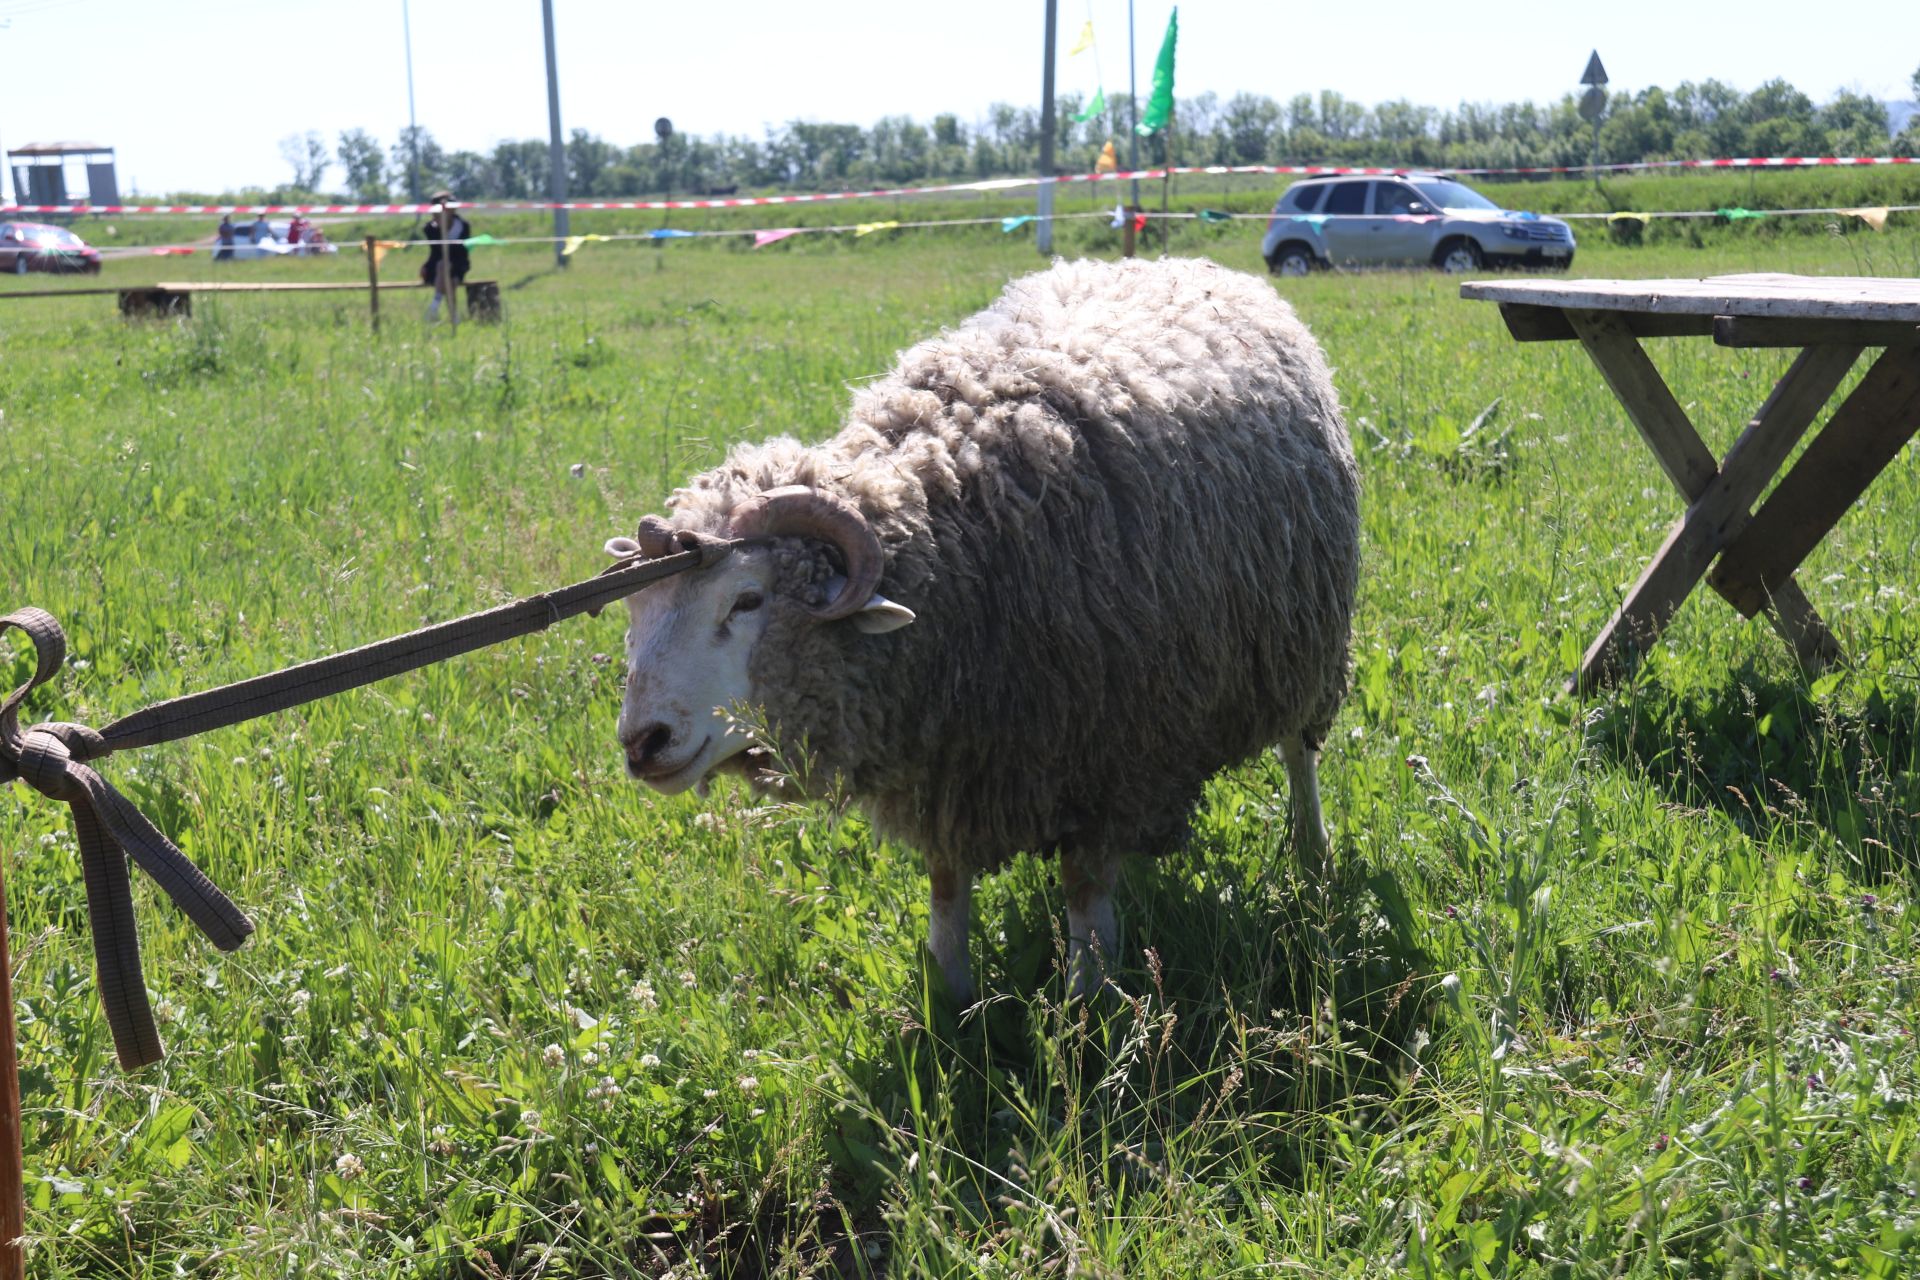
(1622,987)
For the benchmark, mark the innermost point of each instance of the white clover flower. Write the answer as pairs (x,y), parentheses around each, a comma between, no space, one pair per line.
(748,1084)
(706,821)
(301,999)
(554,1056)
(641,993)
(349,1166)
(687,979)
(649,1060)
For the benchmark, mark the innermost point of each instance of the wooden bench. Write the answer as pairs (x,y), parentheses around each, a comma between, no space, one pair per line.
(1832,319)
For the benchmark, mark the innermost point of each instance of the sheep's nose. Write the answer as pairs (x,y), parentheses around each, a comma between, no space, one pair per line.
(646,744)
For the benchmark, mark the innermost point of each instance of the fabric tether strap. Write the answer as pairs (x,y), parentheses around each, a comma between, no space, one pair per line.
(52,759)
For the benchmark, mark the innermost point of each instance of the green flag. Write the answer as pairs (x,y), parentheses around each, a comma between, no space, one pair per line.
(1160,101)
(1097,107)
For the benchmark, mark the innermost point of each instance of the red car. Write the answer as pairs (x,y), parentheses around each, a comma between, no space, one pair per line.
(35,246)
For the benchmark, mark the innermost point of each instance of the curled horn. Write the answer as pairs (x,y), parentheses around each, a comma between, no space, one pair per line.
(796,511)
(655,538)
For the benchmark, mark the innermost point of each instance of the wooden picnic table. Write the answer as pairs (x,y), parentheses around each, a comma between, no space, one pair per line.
(1831,319)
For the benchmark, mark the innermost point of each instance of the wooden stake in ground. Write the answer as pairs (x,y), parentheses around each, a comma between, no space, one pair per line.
(13,1191)
(373,281)
(444,228)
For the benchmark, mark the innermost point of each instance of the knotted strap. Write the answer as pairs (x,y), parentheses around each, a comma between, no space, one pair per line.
(52,759)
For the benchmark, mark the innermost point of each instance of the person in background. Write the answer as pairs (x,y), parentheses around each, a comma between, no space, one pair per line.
(297,230)
(458,231)
(262,232)
(223,240)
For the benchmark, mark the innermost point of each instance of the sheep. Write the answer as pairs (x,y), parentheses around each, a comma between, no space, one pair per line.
(1116,517)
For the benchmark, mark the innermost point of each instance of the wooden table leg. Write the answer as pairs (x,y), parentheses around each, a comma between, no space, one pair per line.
(1717,516)
(1864,435)
(1689,464)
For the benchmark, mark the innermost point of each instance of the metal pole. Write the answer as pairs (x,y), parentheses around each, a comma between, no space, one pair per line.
(413,124)
(1043,237)
(556,150)
(1133,109)
(443,231)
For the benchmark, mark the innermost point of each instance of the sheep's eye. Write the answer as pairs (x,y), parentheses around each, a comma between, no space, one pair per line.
(748,603)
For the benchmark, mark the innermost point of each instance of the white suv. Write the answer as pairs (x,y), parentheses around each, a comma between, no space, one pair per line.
(1406,218)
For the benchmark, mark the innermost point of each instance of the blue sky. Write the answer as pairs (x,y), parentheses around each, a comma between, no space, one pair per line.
(197,95)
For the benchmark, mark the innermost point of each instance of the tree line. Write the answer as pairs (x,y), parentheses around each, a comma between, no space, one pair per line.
(1690,121)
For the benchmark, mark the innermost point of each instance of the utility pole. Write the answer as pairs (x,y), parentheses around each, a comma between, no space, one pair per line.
(556,150)
(1043,238)
(413,124)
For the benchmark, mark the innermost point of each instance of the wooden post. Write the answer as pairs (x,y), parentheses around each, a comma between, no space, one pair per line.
(373,281)
(443,229)
(1126,236)
(13,1191)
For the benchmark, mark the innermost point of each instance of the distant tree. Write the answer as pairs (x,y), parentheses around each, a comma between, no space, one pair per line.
(417,165)
(364,163)
(307,153)
(1855,124)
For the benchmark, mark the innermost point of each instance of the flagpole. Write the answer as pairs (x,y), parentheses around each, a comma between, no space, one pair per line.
(1133,108)
(1043,236)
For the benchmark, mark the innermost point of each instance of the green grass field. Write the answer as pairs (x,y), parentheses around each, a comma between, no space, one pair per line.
(1618,987)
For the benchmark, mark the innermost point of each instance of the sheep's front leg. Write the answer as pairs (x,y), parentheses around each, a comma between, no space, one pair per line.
(947,929)
(1303,781)
(1093,934)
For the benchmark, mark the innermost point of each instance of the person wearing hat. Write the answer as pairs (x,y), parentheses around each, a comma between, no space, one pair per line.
(458,231)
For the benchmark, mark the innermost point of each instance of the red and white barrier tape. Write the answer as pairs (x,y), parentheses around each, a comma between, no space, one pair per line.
(989,185)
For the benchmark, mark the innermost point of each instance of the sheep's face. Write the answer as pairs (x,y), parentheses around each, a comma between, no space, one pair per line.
(690,643)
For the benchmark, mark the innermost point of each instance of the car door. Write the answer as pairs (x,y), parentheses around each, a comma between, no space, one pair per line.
(1402,226)
(1346,226)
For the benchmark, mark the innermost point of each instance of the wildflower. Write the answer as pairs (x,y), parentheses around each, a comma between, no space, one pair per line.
(748,1084)
(749,1054)
(687,979)
(349,1166)
(589,1058)
(440,1146)
(709,821)
(649,1060)
(641,993)
(531,1119)
(301,999)
(554,1056)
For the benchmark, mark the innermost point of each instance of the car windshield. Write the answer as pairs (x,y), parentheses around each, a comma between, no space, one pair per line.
(57,237)
(1451,195)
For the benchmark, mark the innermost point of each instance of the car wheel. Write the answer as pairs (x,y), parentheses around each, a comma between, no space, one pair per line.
(1457,257)
(19,264)
(1293,260)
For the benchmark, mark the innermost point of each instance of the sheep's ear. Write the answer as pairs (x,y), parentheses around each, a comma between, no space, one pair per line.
(622,548)
(881,615)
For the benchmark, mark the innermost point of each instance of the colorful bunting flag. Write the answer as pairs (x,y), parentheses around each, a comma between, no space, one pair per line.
(768,237)
(1160,100)
(1873,217)
(174,251)
(1097,107)
(482,238)
(1139,222)
(573,244)
(1735,215)
(1214,215)
(1108,161)
(1085,42)
(1119,217)
(1015,223)
(669,233)
(1624,216)
(381,248)
(868,228)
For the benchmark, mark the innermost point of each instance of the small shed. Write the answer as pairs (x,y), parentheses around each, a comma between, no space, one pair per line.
(41,172)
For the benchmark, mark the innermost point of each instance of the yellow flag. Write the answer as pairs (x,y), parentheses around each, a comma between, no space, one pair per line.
(574,242)
(1875,217)
(1085,42)
(868,228)
(380,248)
(1108,161)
